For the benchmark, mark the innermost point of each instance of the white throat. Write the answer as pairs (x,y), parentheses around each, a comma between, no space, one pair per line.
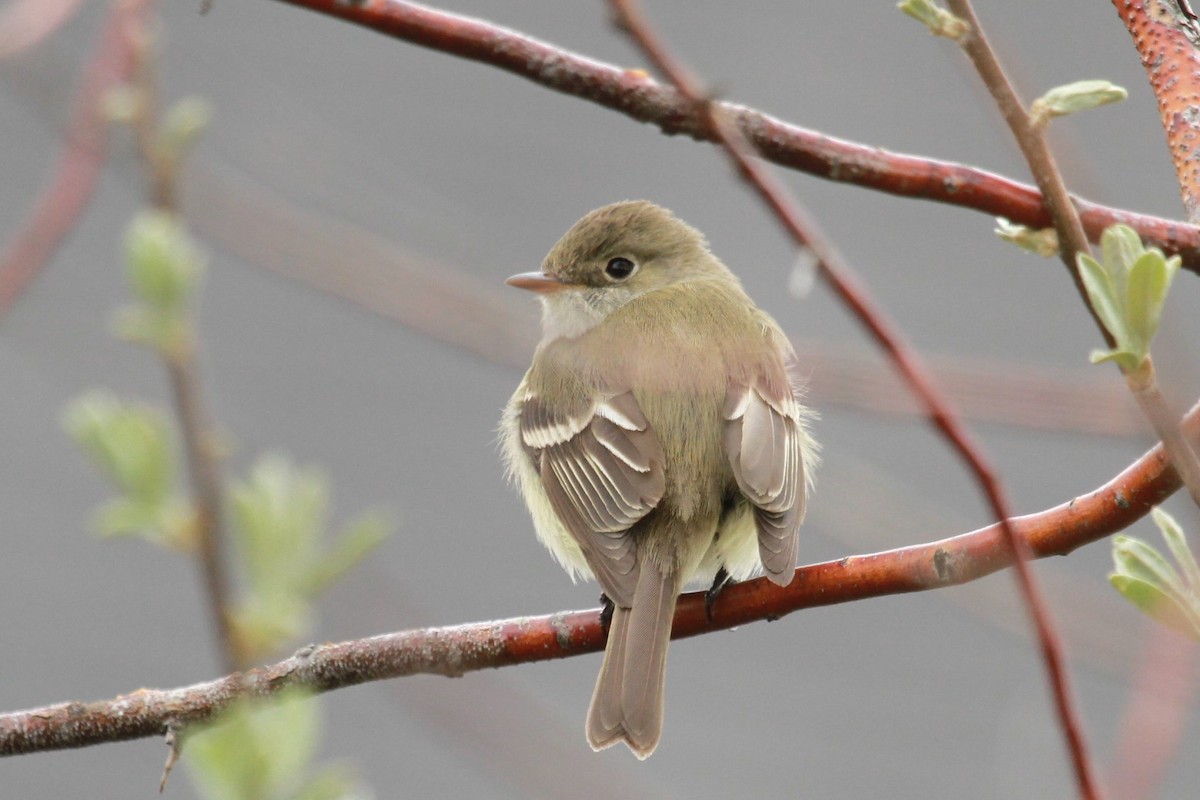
(574,312)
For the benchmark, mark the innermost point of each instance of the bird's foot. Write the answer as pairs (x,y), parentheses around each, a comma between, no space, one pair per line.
(721,580)
(606,612)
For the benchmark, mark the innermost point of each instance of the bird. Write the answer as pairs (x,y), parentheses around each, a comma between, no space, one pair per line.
(659,438)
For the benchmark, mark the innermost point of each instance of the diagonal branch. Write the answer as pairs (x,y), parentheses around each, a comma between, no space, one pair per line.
(845,283)
(24,24)
(634,94)
(181,359)
(1166,37)
(460,649)
(63,201)
(1166,40)
(1032,141)
(1072,240)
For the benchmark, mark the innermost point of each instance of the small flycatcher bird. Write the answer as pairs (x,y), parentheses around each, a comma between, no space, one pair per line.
(658,438)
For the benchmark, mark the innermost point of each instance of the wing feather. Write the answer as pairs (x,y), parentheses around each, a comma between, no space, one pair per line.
(603,472)
(764,440)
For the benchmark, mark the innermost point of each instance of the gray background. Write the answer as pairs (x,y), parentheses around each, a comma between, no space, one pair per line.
(454,166)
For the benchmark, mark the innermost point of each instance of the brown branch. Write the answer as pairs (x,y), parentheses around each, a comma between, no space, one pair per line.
(1166,39)
(161,171)
(1073,241)
(62,202)
(205,475)
(1032,141)
(1143,385)
(639,97)
(1030,136)
(854,295)
(460,649)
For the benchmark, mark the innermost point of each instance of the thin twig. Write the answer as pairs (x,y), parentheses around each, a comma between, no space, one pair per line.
(1166,41)
(1143,385)
(1032,140)
(205,475)
(459,649)
(854,295)
(181,361)
(639,97)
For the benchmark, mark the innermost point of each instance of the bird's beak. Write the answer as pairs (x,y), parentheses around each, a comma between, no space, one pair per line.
(538,282)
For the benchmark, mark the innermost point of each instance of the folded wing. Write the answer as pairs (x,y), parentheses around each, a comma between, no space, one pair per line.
(603,471)
(764,439)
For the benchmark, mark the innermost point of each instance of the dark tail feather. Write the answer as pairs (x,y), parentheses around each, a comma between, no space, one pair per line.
(628,702)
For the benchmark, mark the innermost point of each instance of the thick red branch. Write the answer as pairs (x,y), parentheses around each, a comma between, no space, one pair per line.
(636,95)
(1166,36)
(466,648)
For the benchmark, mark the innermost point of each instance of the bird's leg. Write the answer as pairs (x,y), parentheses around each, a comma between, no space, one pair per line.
(721,580)
(606,612)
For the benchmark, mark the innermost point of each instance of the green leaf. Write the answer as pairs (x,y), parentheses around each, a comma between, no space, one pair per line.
(125,517)
(122,104)
(182,125)
(355,543)
(1125,359)
(1135,558)
(266,620)
(1147,288)
(1075,97)
(1127,292)
(280,517)
(163,264)
(1120,246)
(1145,578)
(146,326)
(1150,599)
(333,783)
(938,20)
(129,443)
(1043,241)
(280,513)
(256,749)
(1178,545)
(1102,292)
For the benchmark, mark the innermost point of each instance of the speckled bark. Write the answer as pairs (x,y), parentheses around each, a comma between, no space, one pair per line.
(635,94)
(1167,34)
(460,649)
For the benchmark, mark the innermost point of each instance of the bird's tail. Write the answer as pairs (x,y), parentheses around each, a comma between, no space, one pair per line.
(628,702)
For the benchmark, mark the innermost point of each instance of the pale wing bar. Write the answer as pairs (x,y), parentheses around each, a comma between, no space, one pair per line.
(603,472)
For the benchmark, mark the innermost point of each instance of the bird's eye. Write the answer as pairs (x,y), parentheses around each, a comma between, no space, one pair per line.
(620,268)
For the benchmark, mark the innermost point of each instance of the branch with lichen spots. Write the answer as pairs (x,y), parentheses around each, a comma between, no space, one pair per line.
(460,649)
(636,95)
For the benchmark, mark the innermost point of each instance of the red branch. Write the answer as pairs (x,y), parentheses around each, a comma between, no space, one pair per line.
(854,295)
(1166,38)
(638,96)
(467,648)
(62,202)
